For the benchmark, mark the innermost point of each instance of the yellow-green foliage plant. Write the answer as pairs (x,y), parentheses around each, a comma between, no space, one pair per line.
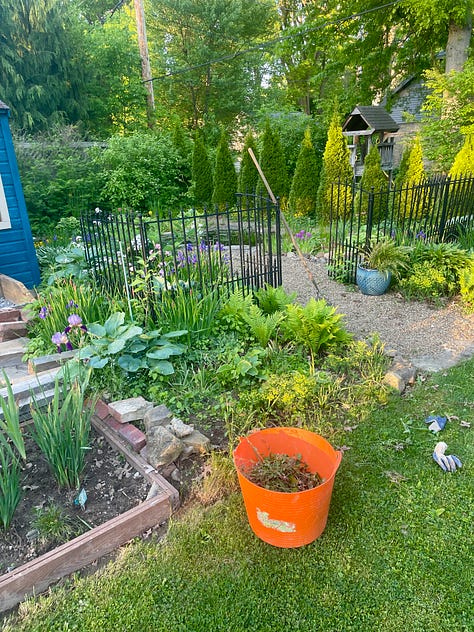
(410,198)
(463,164)
(336,169)
(374,178)
(466,284)
(303,191)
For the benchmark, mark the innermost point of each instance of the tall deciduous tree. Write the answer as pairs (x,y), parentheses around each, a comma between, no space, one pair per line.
(198,44)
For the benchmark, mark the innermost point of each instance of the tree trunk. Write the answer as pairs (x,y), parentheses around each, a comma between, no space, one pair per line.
(145,58)
(457,48)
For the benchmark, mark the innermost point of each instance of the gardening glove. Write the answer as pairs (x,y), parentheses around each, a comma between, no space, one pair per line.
(449,462)
(436,423)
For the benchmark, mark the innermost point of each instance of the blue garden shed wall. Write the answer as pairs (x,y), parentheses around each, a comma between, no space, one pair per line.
(17,252)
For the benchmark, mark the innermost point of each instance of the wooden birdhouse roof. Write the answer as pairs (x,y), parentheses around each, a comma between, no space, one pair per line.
(370,118)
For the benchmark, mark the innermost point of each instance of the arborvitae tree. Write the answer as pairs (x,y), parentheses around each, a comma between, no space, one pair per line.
(400,178)
(411,200)
(182,144)
(225,177)
(415,170)
(463,164)
(249,177)
(373,177)
(272,161)
(336,169)
(201,173)
(304,187)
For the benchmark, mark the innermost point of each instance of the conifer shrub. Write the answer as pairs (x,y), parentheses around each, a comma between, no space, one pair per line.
(249,177)
(272,161)
(302,201)
(202,176)
(225,177)
(374,178)
(336,175)
(463,164)
(411,199)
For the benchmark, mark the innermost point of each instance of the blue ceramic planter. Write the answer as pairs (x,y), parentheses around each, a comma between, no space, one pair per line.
(372,282)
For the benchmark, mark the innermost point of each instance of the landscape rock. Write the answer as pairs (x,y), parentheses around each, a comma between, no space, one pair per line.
(131,409)
(157,416)
(196,443)
(400,375)
(179,428)
(162,446)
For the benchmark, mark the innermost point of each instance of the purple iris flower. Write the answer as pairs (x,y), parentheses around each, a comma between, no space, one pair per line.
(74,321)
(60,338)
(43,312)
(72,305)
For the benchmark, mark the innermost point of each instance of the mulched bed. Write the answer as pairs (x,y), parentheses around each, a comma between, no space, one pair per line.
(111,484)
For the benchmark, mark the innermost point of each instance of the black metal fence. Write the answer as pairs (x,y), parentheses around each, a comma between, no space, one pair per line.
(435,210)
(216,248)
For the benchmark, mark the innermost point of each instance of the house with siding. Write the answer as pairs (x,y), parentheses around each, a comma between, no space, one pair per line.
(17,252)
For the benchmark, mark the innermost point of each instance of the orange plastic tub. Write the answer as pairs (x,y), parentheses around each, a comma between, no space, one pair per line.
(287,520)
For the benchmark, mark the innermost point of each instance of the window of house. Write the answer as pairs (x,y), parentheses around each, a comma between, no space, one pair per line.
(4,215)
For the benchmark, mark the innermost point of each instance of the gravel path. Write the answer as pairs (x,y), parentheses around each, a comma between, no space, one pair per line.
(431,338)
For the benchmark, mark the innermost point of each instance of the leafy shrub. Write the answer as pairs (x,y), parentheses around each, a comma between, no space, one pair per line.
(293,398)
(58,178)
(466,285)
(426,280)
(443,264)
(140,172)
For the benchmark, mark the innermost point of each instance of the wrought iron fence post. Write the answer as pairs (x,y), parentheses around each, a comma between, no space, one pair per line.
(370,218)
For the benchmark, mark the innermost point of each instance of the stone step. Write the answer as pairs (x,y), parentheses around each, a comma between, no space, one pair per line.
(9,330)
(41,386)
(12,351)
(52,361)
(10,315)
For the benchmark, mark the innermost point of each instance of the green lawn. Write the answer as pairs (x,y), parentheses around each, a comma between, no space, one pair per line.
(397,554)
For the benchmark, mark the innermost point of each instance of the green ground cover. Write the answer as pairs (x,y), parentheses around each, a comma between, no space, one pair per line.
(396,554)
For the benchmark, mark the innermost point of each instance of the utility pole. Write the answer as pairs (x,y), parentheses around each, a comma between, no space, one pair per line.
(146,69)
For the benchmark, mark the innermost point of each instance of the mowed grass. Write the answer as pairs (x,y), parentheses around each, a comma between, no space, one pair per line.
(397,554)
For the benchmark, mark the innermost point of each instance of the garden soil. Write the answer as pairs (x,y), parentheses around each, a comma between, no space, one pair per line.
(112,487)
(431,336)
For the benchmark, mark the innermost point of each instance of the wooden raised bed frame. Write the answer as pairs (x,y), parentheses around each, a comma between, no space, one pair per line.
(36,576)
